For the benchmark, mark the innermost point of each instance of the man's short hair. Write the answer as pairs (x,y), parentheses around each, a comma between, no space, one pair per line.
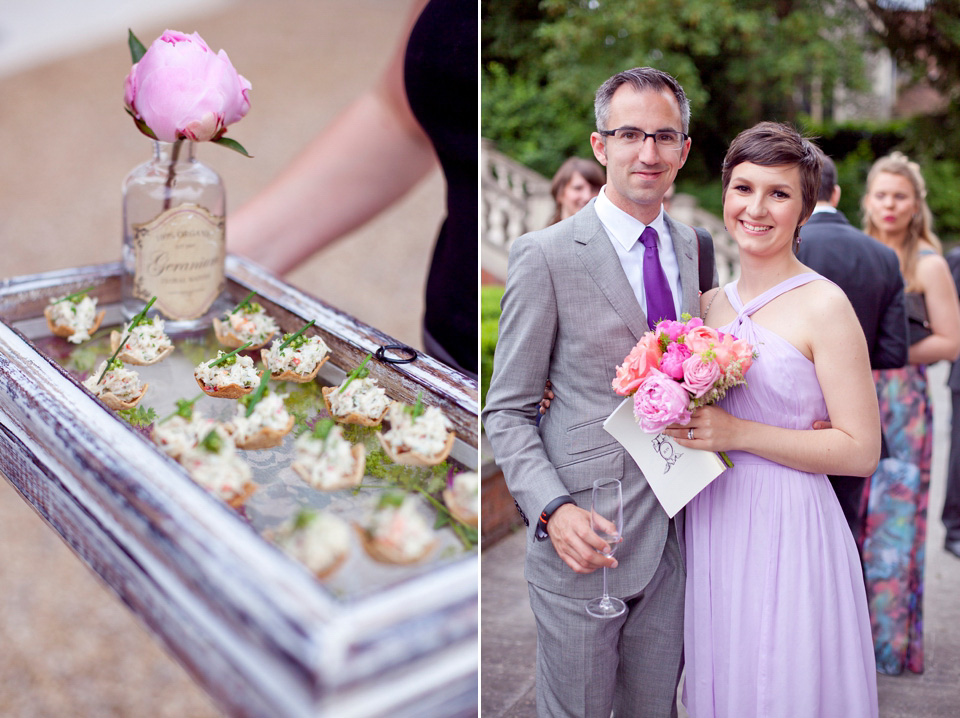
(640,78)
(828,177)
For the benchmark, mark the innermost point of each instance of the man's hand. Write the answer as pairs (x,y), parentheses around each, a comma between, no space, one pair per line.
(575,541)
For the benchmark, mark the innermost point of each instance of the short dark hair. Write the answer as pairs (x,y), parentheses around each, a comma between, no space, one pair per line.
(640,78)
(770,144)
(828,178)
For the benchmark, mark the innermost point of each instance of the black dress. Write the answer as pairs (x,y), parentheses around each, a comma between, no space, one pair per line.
(440,73)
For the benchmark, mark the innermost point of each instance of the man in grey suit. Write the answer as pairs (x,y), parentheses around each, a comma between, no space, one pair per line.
(575,304)
(869,274)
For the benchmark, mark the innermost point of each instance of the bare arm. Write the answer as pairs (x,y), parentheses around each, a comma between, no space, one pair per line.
(851,447)
(943,310)
(367,158)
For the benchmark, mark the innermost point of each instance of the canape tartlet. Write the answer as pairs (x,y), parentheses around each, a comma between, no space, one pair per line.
(216,466)
(317,539)
(462,497)
(358,399)
(261,421)
(418,435)
(245,323)
(326,460)
(147,343)
(115,385)
(184,429)
(395,531)
(228,376)
(73,317)
(299,361)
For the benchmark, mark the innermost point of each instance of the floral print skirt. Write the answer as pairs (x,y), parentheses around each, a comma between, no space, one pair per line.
(895,529)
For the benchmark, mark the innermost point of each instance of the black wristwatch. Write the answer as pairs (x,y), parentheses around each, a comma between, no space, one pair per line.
(541,531)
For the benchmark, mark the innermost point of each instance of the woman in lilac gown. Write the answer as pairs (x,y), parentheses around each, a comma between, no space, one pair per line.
(776,620)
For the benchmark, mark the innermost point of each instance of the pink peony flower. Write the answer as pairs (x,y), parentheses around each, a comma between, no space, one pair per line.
(180,90)
(700,375)
(659,402)
(701,339)
(672,361)
(673,328)
(644,357)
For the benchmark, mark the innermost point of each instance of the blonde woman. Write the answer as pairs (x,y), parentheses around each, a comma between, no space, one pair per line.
(896,213)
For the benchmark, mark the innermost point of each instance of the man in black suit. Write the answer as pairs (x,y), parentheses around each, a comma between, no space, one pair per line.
(869,273)
(951,504)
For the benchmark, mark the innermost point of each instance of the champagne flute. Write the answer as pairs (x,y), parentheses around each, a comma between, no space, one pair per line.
(606,519)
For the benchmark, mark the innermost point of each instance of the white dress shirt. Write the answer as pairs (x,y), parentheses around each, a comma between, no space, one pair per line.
(624,232)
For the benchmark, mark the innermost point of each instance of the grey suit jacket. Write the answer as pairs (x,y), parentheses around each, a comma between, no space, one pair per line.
(570,315)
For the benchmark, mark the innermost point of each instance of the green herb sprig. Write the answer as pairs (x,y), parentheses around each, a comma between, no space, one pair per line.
(184,408)
(291,337)
(75,297)
(359,372)
(222,359)
(133,325)
(322,429)
(416,409)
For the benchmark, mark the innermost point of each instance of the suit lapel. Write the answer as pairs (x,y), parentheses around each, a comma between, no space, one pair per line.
(600,260)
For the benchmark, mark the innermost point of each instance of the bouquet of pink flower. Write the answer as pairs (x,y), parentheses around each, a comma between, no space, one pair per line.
(679,366)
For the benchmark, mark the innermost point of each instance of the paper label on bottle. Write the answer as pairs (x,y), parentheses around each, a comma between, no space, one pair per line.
(179,257)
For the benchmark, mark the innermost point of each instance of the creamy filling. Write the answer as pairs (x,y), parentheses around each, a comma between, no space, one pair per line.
(269,413)
(318,544)
(301,360)
(401,527)
(361,396)
(425,434)
(328,460)
(241,372)
(251,326)
(147,341)
(122,382)
(80,317)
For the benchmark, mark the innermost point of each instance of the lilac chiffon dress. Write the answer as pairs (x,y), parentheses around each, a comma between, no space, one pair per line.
(776,620)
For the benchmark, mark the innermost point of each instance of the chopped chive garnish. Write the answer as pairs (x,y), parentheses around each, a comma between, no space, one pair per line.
(360,372)
(221,359)
(251,400)
(133,325)
(244,303)
(294,336)
(212,442)
(75,295)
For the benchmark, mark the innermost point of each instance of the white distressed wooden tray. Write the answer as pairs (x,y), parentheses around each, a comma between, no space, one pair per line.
(253,627)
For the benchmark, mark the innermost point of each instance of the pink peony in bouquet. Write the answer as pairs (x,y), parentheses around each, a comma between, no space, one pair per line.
(679,366)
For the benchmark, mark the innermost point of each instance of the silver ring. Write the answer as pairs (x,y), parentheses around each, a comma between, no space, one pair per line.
(690,434)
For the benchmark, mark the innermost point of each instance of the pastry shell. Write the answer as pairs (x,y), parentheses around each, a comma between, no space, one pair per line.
(266,438)
(114,402)
(458,512)
(412,458)
(344,482)
(287,374)
(353,418)
(228,338)
(228,391)
(245,493)
(385,553)
(62,330)
(127,358)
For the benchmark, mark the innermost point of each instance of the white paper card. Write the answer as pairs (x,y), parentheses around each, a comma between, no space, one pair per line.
(676,474)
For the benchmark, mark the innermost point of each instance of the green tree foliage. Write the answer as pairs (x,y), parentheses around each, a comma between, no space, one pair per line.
(740,61)
(490,297)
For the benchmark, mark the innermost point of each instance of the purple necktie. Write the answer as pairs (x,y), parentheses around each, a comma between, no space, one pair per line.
(655,286)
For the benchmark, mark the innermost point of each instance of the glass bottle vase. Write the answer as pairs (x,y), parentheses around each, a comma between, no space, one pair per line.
(173,238)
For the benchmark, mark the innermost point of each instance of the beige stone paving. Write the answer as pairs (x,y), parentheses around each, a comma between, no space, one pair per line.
(69,647)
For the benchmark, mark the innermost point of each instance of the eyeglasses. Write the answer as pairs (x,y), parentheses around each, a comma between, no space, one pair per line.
(664,139)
